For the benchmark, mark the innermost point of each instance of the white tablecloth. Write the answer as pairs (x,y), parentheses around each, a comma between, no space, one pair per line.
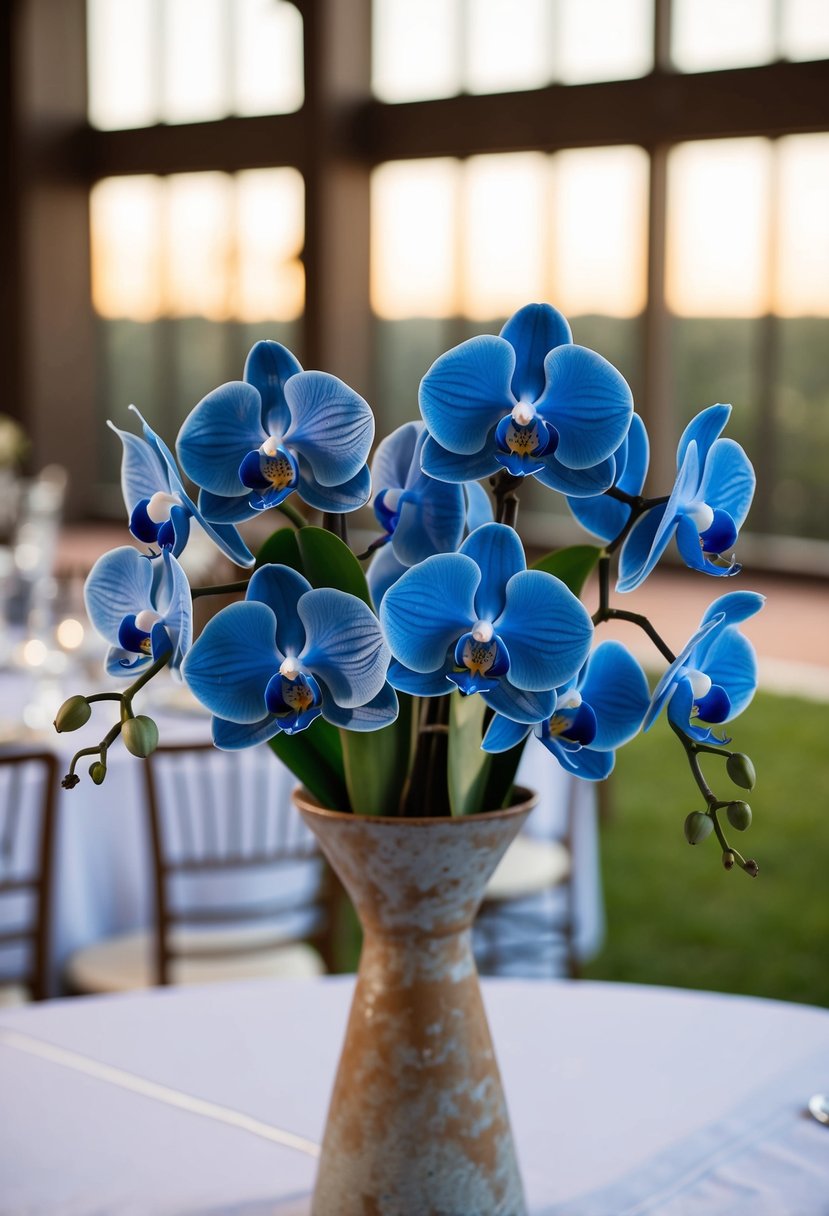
(623,1099)
(103,874)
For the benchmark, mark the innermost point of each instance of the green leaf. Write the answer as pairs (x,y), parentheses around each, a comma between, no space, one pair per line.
(502,777)
(315,757)
(280,549)
(572,565)
(377,763)
(467,766)
(328,562)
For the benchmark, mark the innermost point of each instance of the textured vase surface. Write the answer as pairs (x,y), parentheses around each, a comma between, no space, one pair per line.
(417,1124)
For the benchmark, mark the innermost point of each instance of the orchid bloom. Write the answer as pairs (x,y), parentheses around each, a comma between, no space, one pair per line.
(595,713)
(707,507)
(252,442)
(528,401)
(160,508)
(286,655)
(480,621)
(141,607)
(714,676)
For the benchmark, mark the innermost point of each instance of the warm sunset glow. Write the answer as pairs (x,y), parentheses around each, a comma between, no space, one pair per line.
(802,271)
(199,244)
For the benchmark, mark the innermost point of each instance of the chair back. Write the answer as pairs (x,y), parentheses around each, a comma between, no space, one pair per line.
(230,850)
(28,782)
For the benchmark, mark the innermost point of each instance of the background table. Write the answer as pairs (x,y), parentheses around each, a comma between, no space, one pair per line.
(103,869)
(623,1100)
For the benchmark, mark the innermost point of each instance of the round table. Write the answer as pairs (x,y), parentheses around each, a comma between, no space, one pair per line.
(623,1099)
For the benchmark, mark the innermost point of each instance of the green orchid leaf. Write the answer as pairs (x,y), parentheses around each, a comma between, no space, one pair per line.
(315,757)
(281,549)
(573,565)
(377,762)
(328,562)
(501,777)
(467,766)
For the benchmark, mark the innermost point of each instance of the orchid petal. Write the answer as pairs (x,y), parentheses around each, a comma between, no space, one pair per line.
(579,483)
(444,465)
(420,684)
(432,523)
(428,608)
(546,630)
(703,430)
(217,435)
(176,608)
(222,510)
(142,473)
(383,572)
(520,705)
(735,607)
(120,662)
(504,734)
(332,426)
(345,645)
(380,711)
(230,664)
(120,582)
(478,506)
(732,663)
(640,552)
(393,460)
(268,366)
(499,554)
(667,683)
(590,764)
(615,685)
(349,496)
(233,736)
(467,391)
(588,402)
(281,588)
(533,331)
(728,480)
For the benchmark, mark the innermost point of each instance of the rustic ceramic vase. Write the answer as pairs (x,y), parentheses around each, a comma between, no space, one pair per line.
(417,1124)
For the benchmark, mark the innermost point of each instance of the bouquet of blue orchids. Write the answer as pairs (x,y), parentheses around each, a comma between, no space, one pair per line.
(407,679)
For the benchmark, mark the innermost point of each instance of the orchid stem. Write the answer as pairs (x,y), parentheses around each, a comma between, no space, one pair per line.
(220,589)
(291,513)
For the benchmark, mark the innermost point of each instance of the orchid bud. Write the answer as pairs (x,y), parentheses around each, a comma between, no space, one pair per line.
(728,859)
(140,735)
(751,867)
(698,825)
(73,714)
(97,772)
(741,771)
(70,781)
(739,815)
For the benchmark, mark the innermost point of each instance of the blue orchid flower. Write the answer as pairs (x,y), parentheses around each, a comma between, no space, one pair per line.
(286,655)
(479,620)
(142,607)
(714,676)
(595,713)
(528,401)
(606,517)
(420,516)
(160,508)
(251,443)
(706,509)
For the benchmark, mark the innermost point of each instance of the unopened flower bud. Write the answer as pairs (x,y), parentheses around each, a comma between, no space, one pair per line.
(751,867)
(70,781)
(97,772)
(739,815)
(741,771)
(728,859)
(73,714)
(698,825)
(140,735)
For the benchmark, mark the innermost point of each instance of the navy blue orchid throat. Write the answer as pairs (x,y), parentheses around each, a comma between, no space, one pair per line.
(522,438)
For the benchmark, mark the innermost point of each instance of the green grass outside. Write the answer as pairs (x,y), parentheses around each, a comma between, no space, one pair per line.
(675,916)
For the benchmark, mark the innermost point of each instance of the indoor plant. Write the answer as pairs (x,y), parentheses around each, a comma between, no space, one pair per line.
(402,698)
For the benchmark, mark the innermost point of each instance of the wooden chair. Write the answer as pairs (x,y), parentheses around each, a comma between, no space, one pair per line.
(527,922)
(28,781)
(221,826)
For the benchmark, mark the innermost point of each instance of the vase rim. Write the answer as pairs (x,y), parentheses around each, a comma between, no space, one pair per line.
(526,799)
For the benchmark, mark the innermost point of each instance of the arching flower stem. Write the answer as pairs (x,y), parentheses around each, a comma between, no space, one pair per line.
(125,698)
(714,804)
(505,488)
(220,588)
(605,613)
(290,512)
